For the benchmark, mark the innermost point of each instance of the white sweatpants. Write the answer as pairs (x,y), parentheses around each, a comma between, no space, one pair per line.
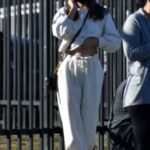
(79,84)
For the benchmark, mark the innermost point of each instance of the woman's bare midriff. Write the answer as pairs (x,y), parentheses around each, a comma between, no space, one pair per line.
(88,48)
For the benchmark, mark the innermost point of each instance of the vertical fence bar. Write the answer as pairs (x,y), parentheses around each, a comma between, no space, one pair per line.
(14,54)
(8,96)
(46,49)
(121,56)
(8,74)
(113,61)
(101,111)
(41,70)
(35,49)
(51,67)
(31,72)
(124,12)
(25,46)
(4,48)
(25,37)
(1,56)
(19,107)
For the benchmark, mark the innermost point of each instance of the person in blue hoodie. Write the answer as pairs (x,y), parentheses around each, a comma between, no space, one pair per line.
(136,45)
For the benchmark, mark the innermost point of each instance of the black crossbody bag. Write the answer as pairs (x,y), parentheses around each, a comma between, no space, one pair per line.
(52,79)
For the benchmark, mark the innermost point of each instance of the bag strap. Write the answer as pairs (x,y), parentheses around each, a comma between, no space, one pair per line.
(73,39)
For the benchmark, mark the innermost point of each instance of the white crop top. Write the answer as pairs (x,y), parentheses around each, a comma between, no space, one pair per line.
(105,30)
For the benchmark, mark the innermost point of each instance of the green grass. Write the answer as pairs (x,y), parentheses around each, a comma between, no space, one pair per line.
(14,142)
(25,142)
(36,142)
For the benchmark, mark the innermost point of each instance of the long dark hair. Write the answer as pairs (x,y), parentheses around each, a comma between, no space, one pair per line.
(96,12)
(140,3)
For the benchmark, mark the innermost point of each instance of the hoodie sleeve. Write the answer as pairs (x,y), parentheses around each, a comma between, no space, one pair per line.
(62,26)
(110,41)
(134,48)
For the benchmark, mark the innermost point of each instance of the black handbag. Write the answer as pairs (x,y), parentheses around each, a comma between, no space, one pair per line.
(52,82)
(52,79)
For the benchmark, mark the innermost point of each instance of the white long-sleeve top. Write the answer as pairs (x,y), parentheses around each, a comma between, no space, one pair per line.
(105,30)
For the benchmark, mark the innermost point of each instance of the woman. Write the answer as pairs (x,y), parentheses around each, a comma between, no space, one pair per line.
(136,44)
(80,76)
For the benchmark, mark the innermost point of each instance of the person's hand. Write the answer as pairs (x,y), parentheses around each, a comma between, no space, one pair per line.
(72,4)
(72,7)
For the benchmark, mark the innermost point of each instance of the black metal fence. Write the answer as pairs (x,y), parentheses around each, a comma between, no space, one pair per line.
(29,117)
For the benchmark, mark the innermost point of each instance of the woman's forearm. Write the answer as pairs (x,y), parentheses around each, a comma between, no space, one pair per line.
(72,13)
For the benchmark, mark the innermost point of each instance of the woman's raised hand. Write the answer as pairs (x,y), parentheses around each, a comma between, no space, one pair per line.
(72,4)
